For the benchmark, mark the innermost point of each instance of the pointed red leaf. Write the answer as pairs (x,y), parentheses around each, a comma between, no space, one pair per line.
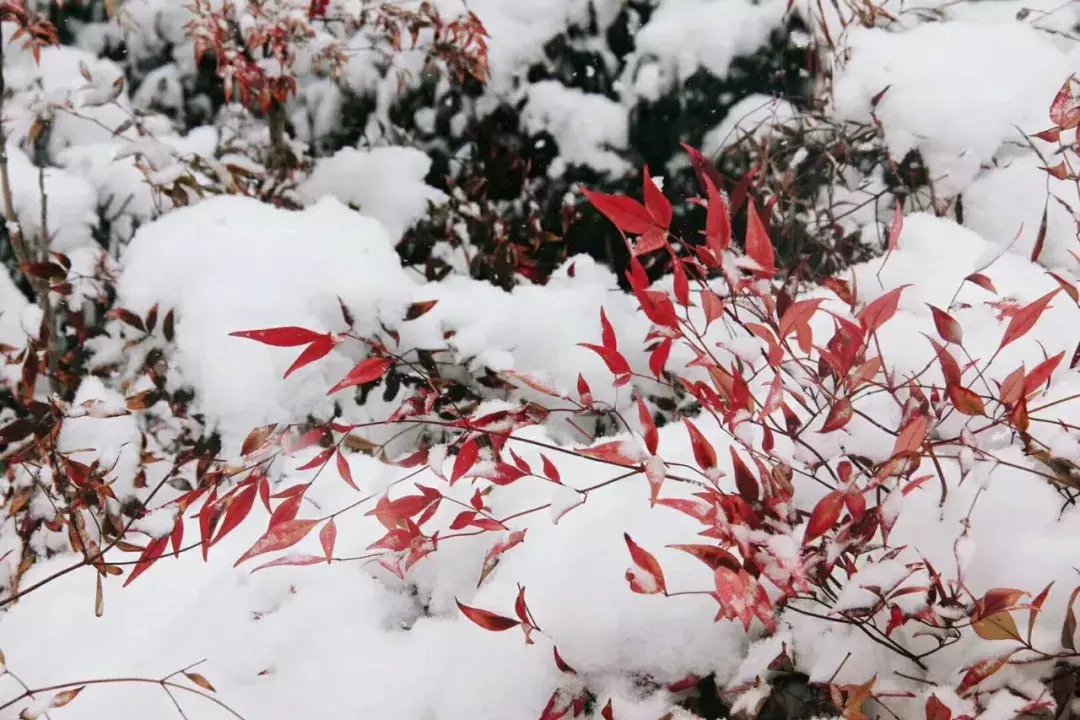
(315,351)
(648,427)
(880,311)
(966,401)
(154,550)
(839,416)
(758,245)
(982,281)
(704,453)
(897,226)
(656,203)
(717,222)
(627,214)
(824,516)
(238,509)
(487,620)
(745,481)
(550,471)
(279,537)
(327,538)
(1026,317)
(465,459)
(345,471)
(947,327)
(280,336)
(712,555)
(608,333)
(653,580)
(1040,374)
(367,371)
(937,710)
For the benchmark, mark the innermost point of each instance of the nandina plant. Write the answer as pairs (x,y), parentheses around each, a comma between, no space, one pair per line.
(784,524)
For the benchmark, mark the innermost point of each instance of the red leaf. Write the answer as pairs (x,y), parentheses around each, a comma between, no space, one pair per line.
(648,427)
(1012,386)
(1068,628)
(733,592)
(839,416)
(315,351)
(463,519)
(176,537)
(366,372)
(520,608)
(627,214)
(287,510)
(1063,112)
(1025,318)
(712,305)
(950,369)
(880,311)
(617,452)
(982,281)
(345,471)
(487,620)
(654,583)
(717,222)
(238,509)
(659,357)
(704,169)
(280,336)
(327,538)
(1041,373)
(562,664)
(680,284)
(584,391)
(966,401)
(937,710)
(656,203)
(744,480)
(797,316)
(911,437)
(505,474)
(465,459)
(758,245)
(1067,286)
(704,453)
(550,471)
(154,550)
(608,333)
(279,537)
(824,516)
(712,555)
(607,713)
(1036,607)
(979,672)
(614,360)
(256,439)
(947,327)
(897,226)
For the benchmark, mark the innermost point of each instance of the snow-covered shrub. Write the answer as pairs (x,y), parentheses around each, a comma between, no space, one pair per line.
(738,486)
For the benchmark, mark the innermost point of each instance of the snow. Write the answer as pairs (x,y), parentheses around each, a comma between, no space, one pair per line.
(956,91)
(384,183)
(587,127)
(348,639)
(292,275)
